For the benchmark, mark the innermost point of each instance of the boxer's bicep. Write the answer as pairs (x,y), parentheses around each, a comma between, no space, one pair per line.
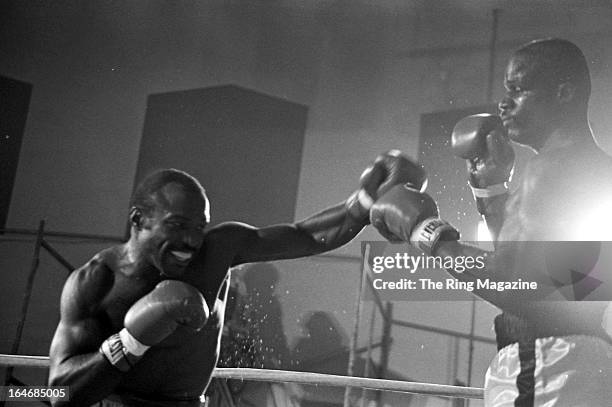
(81,328)
(74,356)
(282,241)
(321,232)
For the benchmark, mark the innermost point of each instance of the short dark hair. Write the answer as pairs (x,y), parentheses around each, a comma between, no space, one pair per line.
(144,194)
(561,61)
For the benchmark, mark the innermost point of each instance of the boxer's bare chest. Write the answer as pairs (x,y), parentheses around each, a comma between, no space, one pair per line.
(534,210)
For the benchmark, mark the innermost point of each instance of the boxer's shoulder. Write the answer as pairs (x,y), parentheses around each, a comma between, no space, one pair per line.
(584,170)
(221,245)
(543,175)
(227,235)
(92,281)
(598,164)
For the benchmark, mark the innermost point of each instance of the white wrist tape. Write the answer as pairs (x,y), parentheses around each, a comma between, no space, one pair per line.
(490,191)
(425,235)
(112,349)
(131,345)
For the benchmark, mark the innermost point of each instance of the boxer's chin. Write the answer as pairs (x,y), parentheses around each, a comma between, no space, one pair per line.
(173,262)
(172,270)
(173,267)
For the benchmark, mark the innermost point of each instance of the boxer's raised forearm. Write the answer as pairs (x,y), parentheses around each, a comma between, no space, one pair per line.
(483,142)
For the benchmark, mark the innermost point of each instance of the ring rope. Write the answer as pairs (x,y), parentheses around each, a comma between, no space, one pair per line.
(267,375)
(24,361)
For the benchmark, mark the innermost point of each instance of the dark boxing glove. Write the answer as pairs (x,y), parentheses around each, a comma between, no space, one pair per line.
(409,215)
(482,141)
(389,169)
(153,318)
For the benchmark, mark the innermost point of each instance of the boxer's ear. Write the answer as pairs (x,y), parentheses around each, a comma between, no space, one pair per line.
(136,217)
(566,92)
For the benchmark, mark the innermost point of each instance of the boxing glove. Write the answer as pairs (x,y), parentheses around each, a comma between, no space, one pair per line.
(482,141)
(409,215)
(153,318)
(389,169)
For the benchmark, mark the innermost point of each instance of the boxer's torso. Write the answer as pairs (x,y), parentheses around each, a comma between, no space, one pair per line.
(180,366)
(561,195)
(565,195)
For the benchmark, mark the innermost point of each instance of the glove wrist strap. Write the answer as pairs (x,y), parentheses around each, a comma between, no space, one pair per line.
(112,349)
(131,345)
(490,191)
(426,235)
(123,350)
(358,206)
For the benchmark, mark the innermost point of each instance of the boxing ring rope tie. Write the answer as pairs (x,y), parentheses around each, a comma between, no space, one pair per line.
(275,376)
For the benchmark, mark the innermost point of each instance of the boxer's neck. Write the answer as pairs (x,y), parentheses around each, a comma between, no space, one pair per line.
(132,261)
(572,133)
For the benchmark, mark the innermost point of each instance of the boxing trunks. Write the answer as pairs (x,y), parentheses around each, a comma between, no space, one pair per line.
(532,369)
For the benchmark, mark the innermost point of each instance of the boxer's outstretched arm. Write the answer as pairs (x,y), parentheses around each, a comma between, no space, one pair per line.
(75,359)
(324,231)
(332,227)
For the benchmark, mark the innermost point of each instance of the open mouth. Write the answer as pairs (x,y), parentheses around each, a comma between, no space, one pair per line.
(182,256)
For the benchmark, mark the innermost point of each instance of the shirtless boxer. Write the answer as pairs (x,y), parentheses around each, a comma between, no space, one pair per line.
(141,322)
(550,354)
